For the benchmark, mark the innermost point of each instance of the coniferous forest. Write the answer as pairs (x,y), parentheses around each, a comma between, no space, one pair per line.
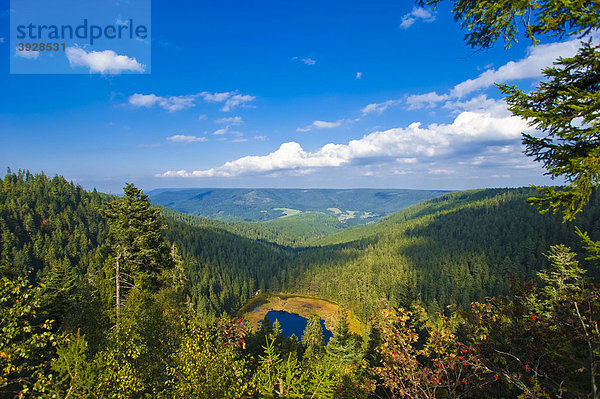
(473,294)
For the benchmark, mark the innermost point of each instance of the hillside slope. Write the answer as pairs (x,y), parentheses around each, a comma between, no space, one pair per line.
(453,249)
(290,231)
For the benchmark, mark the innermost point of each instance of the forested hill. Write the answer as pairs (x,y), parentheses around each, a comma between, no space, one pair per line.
(51,228)
(352,206)
(453,249)
(48,222)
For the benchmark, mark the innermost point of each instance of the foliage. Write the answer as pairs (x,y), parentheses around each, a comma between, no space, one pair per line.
(209,363)
(544,341)
(565,107)
(75,375)
(27,344)
(422,358)
(312,338)
(135,239)
(290,378)
(488,21)
(344,347)
(117,373)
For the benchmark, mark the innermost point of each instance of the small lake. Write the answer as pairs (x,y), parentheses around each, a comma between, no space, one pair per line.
(292,323)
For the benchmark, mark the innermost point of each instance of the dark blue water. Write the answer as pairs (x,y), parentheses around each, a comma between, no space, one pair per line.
(292,323)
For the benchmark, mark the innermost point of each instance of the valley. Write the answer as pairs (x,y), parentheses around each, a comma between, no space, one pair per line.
(464,256)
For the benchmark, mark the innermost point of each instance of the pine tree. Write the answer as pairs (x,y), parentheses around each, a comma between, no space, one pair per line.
(135,238)
(312,338)
(343,346)
(565,107)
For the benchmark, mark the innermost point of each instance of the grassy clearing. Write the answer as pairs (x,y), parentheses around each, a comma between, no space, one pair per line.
(256,309)
(288,211)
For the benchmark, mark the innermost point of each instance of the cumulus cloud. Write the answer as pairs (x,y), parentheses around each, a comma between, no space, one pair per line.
(104,62)
(180,138)
(416,14)
(538,57)
(531,66)
(404,145)
(171,104)
(234,120)
(321,125)
(379,107)
(478,103)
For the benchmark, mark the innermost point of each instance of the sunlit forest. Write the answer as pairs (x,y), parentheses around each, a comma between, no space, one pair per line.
(472,294)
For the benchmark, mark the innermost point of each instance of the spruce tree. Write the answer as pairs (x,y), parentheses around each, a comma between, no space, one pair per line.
(343,346)
(312,338)
(135,238)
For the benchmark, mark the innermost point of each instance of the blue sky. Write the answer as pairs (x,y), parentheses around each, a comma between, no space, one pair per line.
(306,93)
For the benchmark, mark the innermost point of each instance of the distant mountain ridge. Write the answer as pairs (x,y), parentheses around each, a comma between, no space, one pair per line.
(350,206)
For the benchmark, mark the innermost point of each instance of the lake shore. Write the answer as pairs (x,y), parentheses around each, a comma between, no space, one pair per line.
(256,309)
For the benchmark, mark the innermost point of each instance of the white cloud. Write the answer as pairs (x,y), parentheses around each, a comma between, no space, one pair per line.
(531,66)
(321,125)
(231,98)
(216,97)
(171,104)
(143,100)
(358,75)
(417,13)
(237,100)
(220,132)
(418,101)
(180,138)
(260,138)
(379,107)
(404,145)
(538,57)
(201,117)
(234,120)
(30,55)
(478,103)
(104,62)
(327,125)
(288,156)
